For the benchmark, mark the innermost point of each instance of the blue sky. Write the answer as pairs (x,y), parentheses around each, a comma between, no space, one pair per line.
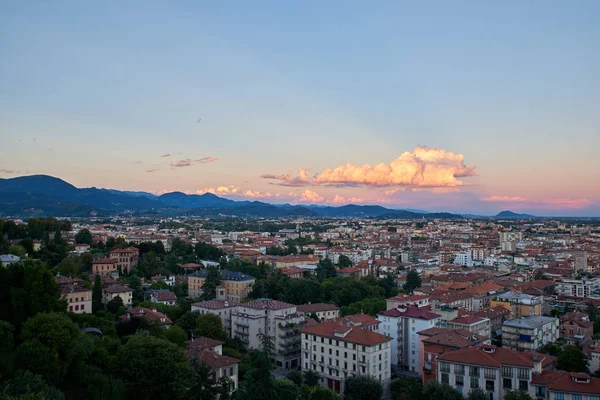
(106,88)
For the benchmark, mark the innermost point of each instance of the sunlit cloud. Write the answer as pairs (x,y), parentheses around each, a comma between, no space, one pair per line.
(506,199)
(189,162)
(339,200)
(307,196)
(152,170)
(205,160)
(258,195)
(518,202)
(223,190)
(423,167)
(165,155)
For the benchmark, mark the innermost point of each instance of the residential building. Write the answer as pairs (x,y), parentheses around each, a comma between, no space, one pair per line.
(509,240)
(150,316)
(519,304)
(235,286)
(210,353)
(323,311)
(273,318)
(495,370)
(471,323)
(126,258)
(529,333)
(404,300)
(337,351)
(463,259)
(105,266)
(362,320)
(563,385)
(438,341)
(593,353)
(580,264)
(117,290)
(576,328)
(403,325)
(222,308)
(163,296)
(79,298)
(579,287)
(7,259)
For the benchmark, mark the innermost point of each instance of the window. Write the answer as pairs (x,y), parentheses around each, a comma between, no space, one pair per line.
(345,354)
(474,383)
(459,369)
(446,378)
(314,347)
(76,307)
(444,367)
(523,385)
(594,397)
(575,397)
(489,386)
(337,353)
(507,371)
(507,383)
(489,373)
(460,380)
(70,308)
(474,371)
(559,396)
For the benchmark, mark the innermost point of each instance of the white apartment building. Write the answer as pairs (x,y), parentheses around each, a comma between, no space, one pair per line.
(323,311)
(464,259)
(579,288)
(529,333)
(355,255)
(337,351)
(222,308)
(495,370)
(274,318)
(403,325)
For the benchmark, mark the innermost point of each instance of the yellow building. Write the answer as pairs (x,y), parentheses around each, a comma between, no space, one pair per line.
(104,266)
(519,304)
(235,286)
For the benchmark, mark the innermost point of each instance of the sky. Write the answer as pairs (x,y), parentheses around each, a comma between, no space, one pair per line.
(462,106)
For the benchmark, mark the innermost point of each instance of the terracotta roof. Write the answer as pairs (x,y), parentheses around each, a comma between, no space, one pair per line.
(562,381)
(410,312)
(316,307)
(493,312)
(348,334)
(127,250)
(216,304)
(267,304)
(104,261)
(214,360)
(117,288)
(164,296)
(467,320)
(457,338)
(358,320)
(494,357)
(201,343)
(149,315)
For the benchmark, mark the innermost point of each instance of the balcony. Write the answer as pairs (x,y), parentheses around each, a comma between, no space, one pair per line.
(245,324)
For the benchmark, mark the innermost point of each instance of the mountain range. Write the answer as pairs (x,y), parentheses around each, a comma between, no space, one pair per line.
(38,195)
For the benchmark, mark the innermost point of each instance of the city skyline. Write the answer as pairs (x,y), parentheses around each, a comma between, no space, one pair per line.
(470,108)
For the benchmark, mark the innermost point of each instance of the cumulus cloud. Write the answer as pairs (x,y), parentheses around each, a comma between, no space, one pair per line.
(339,200)
(219,190)
(288,180)
(189,162)
(307,196)
(423,167)
(258,195)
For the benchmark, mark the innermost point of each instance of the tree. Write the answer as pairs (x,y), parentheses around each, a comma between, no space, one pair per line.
(68,267)
(325,269)
(287,390)
(209,287)
(344,261)
(477,394)
(97,294)
(26,383)
(406,388)
(84,236)
(176,334)
(152,368)
(210,326)
(295,376)
(17,250)
(311,378)
(413,281)
(572,359)
(435,390)
(115,306)
(362,387)
(204,387)
(259,382)
(518,395)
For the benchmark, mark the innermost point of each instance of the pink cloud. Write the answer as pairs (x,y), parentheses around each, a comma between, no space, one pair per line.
(339,200)
(218,190)
(205,160)
(165,155)
(307,196)
(152,170)
(546,204)
(258,195)
(506,199)
(189,162)
(423,167)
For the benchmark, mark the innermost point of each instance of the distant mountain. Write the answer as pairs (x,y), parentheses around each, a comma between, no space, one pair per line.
(509,214)
(38,195)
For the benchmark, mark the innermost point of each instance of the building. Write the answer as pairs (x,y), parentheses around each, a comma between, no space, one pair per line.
(150,316)
(594,358)
(576,328)
(463,259)
(323,311)
(235,286)
(337,352)
(579,287)
(580,264)
(562,385)
(403,325)
(126,258)
(79,298)
(495,370)
(210,353)
(362,320)
(529,333)
(273,318)
(222,308)
(509,240)
(117,290)
(105,266)
(7,259)
(478,325)
(438,341)
(519,304)
(404,300)
(163,296)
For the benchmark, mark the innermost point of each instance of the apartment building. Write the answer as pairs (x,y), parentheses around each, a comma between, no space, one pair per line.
(323,311)
(509,240)
(471,323)
(105,266)
(576,327)
(126,258)
(337,352)
(579,287)
(274,318)
(222,308)
(235,286)
(563,385)
(519,304)
(495,370)
(404,300)
(580,263)
(79,298)
(117,290)
(529,333)
(464,259)
(403,325)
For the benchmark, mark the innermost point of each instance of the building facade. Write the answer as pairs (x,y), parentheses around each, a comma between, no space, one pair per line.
(235,286)
(126,258)
(529,333)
